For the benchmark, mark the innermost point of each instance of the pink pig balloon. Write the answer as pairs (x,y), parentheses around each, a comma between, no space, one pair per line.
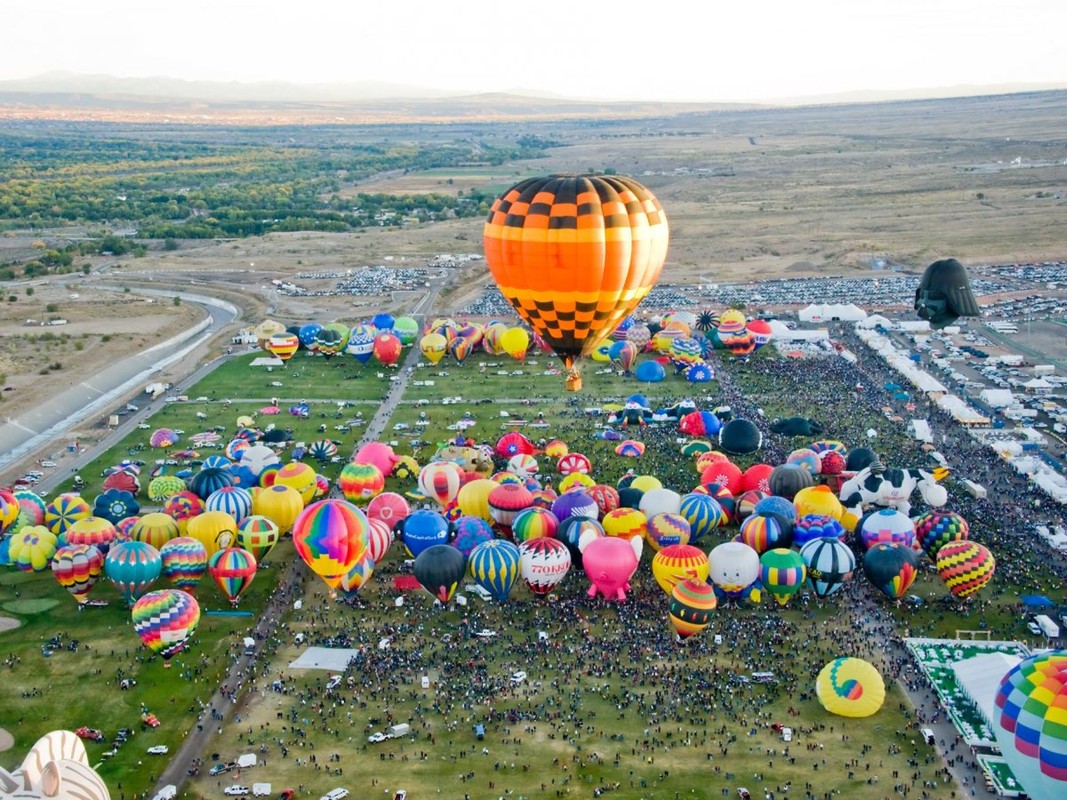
(610,562)
(379,454)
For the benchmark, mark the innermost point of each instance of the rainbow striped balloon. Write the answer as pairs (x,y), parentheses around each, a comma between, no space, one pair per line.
(678,562)
(184,561)
(165,620)
(155,529)
(76,568)
(358,577)
(331,536)
(533,523)
(233,570)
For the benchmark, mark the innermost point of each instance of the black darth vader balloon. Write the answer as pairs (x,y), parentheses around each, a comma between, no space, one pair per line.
(945,294)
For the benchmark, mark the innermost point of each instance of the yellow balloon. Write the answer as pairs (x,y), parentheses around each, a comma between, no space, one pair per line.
(850,687)
(473,498)
(677,563)
(280,504)
(818,500)
(515,342)
(433,347)
(645,483)
(575,479)
(299,476)
(601,354)
(155,529)
(32,548)
(216,530)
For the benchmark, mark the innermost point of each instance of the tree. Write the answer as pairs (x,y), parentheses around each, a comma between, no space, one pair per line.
(29,291)
(177,300)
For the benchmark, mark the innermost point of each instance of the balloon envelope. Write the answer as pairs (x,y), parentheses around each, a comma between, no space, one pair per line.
(850,687)
(165,620)
(439,569)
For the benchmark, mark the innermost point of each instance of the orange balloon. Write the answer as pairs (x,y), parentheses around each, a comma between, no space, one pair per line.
(574,255)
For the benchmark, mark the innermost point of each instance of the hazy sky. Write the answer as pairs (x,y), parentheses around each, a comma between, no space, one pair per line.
(626,49)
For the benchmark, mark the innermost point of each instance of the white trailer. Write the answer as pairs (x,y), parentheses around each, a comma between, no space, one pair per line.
(1047,626)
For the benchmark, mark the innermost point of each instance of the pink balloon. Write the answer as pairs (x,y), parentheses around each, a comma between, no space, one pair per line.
(389,507)
(379,454)
(610,562)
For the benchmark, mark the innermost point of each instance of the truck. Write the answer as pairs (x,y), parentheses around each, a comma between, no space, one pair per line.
(398,730)
(1047,626)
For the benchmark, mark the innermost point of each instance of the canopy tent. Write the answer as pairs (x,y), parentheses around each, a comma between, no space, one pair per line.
(825,312)
(920,429)
(875,321)
(780,332)
(997,398)
(960,411)
(1036,601)
(980,677)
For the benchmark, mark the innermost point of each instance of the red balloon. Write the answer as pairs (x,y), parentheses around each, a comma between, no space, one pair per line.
(387,347)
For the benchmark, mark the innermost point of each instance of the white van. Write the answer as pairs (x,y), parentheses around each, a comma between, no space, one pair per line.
(928,736)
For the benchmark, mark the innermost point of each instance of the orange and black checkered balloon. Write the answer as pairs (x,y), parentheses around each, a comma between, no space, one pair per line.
(575,255)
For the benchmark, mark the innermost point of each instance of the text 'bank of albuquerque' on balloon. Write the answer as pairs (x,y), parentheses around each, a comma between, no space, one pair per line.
(574,255)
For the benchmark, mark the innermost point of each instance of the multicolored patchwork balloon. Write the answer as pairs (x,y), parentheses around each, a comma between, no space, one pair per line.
(165,620)
(331,536)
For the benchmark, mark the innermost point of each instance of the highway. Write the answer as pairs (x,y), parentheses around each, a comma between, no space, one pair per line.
(54,415)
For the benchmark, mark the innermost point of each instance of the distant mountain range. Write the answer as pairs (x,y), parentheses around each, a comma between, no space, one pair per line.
(74,95)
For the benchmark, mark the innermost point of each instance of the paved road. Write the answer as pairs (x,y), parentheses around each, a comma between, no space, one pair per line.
(54,415)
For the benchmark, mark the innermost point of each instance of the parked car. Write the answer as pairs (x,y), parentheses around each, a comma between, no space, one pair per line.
(158,750)
(1033,628)
(236,790)
(92,734)
(218,769)
(377,737)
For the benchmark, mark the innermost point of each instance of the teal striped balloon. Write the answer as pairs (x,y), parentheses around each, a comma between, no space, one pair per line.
(494,565)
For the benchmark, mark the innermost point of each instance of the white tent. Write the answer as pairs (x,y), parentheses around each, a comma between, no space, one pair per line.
(824,312)
(920,429)
(997,398)
(960,411)
(979,677)
(873,321)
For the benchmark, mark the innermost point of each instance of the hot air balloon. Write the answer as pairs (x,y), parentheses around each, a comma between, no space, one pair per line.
(115,504)
(505,503)
(155,529)
(935,529)
(575,289)
(296,475)
(266,329)
(763,532)
(609,562)
(132,567)
(533,523)
(1028,723)
(182,507)
(278,503)
(441,481)
(184,561)
(380,538)
(76,568)
(830,563)
(816,526)
(215,530)
(32,548)
(433,347)
(965,567)
(331,536)
(473,498)
(944,294)
(100,533)
(469,533)
(389,507)
(64,511)
(387,348)
(423,529)
(515,342)
(494,565)
(692,602)
(665,530)
(359,483)
(623,354)
(543,563)
(361,343)
(233,570)
(887,525)
(166,620)
(439,569)
(782,573)
(892,568)
(702,512)
(850,687)
(357,577)
(679,562)
(734,568)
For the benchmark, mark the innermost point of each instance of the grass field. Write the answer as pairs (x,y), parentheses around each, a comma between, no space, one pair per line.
(611,698)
